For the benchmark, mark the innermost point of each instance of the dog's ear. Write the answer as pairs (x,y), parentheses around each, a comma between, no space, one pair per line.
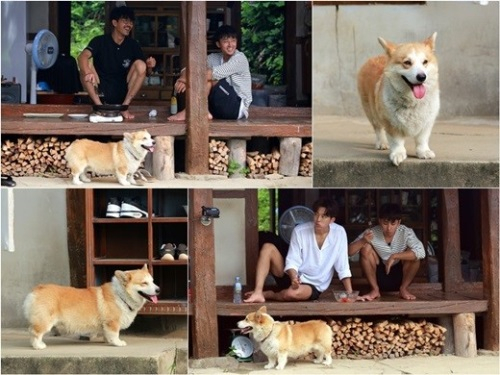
(263,310)
(431,41)
(145,267)
(127,135)
(389,47)
(124,277)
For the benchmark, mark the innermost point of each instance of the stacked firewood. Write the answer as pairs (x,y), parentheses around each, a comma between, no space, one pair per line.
(218,159)
(305,168)
(263,164)
(41,157)
(356,338)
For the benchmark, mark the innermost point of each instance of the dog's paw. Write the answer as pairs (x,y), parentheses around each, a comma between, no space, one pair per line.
(426,154)
(397,157)
(269,366)
(382,146)
(39,345)
(124,182)
(119,342)
(77,181)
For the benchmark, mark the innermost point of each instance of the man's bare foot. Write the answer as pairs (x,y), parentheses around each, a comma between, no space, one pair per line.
(374,294)
(127,115)
(254,297)
(404,294)
(181,116)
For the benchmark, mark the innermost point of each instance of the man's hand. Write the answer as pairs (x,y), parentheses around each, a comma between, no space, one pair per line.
(180,85)
(151,62)
(296,282)
(390,262)
(90,77)
(368,236)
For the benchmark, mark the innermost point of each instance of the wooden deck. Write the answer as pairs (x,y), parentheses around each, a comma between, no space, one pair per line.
(428,304)
(263,122)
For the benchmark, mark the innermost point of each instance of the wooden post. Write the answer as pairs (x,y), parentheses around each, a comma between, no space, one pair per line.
(449,343)
(163,158)
(489,236)
(464,326)
(238,154)
(203,301)
(290,156)
(197,134)
(251,236)
(450,262)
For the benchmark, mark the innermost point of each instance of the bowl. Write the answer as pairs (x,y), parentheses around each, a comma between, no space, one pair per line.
(343,296)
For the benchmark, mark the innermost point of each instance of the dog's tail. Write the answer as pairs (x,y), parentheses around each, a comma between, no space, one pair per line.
(28,305)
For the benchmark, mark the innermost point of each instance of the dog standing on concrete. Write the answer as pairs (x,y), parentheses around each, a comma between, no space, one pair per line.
(400,95)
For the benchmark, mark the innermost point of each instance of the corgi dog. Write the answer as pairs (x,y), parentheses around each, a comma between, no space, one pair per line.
(399,92)
(282,340)
(121,158)
(94,311)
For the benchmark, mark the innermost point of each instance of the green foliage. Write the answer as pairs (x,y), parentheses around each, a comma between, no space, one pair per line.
(87,21)
(264,209)
(262,28)
(235,167)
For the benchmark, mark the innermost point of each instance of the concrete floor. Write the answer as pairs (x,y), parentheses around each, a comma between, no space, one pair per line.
(143,354)
(484,363)
(186,181)
(467,155)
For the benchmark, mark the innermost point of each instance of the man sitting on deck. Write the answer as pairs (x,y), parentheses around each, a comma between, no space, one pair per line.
(390,254)
(119,66)
(229,83)
(316,250)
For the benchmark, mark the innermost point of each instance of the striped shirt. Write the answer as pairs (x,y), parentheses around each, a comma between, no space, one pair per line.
(236,71)
(403,239)
(316,266)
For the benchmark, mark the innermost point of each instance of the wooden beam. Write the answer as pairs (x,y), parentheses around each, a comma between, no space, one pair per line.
(452,278)
(490,246)
(251,235)
(202,262)
(197,101)
(75,216)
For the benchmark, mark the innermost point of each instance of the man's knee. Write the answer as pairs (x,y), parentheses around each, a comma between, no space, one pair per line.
(268,248)
(139,66)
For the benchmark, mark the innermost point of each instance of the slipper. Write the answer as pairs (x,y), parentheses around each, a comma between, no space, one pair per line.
(183,251)
(167,251)
(8,181)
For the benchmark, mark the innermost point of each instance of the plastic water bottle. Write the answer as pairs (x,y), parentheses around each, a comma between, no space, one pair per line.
(173,104)
(237,290)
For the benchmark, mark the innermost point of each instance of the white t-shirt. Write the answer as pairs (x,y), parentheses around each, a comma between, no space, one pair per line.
(316,266)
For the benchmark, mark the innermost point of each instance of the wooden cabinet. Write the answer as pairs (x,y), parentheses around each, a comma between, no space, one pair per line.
(157,28)
(128,243)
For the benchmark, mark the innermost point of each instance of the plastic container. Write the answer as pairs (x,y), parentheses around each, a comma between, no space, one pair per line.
(173,104)
(237,290)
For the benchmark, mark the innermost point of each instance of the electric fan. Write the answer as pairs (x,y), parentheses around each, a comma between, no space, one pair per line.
(44,51)
(291,218)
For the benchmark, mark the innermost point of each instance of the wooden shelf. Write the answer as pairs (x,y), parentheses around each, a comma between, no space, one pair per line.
(127,243)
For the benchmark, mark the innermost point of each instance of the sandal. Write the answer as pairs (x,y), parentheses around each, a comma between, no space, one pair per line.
(167,251)
(183,251)
(8,181)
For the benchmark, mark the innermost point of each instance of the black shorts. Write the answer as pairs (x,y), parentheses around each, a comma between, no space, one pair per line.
(392,281)
(223,102)
(114,92)
(285,283)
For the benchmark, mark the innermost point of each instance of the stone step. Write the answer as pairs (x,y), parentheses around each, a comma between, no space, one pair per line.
(142,355)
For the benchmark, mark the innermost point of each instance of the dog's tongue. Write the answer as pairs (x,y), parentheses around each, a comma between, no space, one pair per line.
(154,299)
(418,91)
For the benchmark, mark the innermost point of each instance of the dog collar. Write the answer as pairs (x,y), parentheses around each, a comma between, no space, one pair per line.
(269,334)
(131,152)
(125,302)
